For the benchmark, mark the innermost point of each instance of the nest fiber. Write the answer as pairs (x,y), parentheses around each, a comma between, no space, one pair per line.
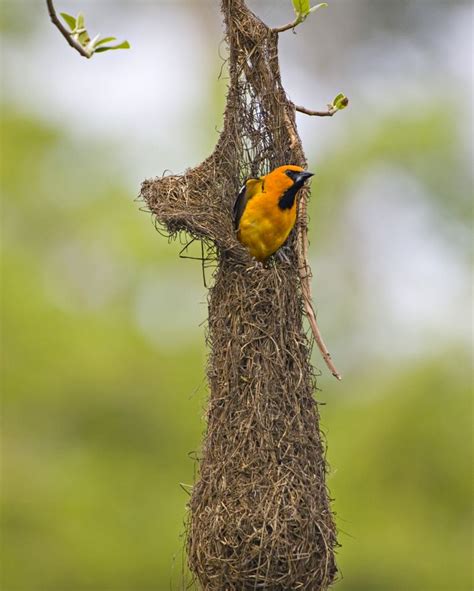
(259,514)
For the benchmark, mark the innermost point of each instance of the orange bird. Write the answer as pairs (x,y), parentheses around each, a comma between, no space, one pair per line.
(265,209)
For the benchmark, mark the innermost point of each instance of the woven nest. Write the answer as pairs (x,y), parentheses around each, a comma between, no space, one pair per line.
(259,514)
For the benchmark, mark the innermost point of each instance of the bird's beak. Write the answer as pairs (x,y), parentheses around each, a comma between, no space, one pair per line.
(303,176)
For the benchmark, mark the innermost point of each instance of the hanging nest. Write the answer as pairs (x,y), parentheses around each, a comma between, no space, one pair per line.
(259,514)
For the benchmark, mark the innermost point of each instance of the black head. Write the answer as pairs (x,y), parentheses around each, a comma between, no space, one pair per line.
(298,177)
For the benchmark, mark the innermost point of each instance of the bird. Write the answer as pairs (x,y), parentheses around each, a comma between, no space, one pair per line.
(265,209)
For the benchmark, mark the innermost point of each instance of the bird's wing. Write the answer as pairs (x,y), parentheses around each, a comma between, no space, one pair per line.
(250,188)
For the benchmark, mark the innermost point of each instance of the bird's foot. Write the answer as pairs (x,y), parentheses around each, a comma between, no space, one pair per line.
(282,256)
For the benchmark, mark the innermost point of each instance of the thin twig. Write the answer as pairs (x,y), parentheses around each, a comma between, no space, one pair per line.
(287,27)
(329,113)
(304,272)
(65,33)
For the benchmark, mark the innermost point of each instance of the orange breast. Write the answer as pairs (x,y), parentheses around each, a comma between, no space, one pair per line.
(264,227)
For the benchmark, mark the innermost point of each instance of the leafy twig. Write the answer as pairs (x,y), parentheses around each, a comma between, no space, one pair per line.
(78,37)
(340,102)
(64,32)
(302,11)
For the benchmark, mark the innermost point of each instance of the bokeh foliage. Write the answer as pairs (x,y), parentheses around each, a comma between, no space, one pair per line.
(98,421)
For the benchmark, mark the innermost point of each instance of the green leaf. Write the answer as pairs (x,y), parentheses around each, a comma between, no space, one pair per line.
(123,45)
(84,38)
(340,101)
(80,21)
(321,5)
(91,45)
(104,40)
(70,20)
(302,8)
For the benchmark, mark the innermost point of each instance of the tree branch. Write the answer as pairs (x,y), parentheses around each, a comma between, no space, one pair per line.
(64,32)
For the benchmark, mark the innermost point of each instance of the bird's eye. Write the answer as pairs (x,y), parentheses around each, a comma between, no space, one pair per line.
(292,174)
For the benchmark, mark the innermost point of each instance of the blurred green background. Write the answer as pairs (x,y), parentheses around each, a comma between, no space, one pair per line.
(103,355)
